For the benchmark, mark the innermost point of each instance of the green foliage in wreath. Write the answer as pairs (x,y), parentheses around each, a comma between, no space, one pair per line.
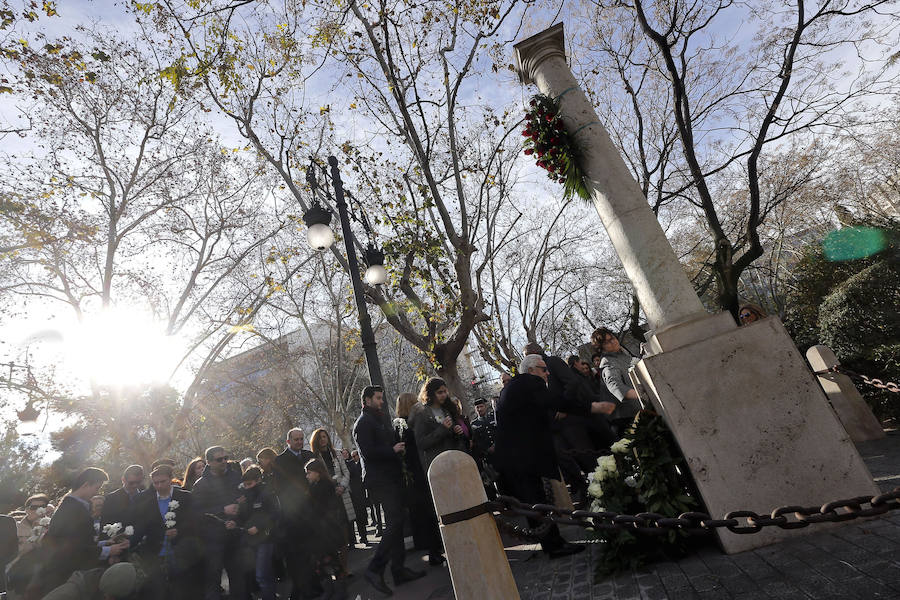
(644,473)
(550,142)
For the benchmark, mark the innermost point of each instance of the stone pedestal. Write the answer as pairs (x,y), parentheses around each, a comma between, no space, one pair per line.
(754,426)
(849,406)
(478,565)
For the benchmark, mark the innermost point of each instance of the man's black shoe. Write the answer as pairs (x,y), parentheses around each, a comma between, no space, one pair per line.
(376,580)
(436,559)
(406,574)
(565,550)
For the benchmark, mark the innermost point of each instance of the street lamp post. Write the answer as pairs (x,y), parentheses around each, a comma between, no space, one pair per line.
(317,219)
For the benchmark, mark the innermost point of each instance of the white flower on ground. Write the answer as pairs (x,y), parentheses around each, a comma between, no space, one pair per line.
(173,504)
(44,521)
(169,516)
(606,468)
(129,531)
(170,524)
(595,490)
(621,447)
(630,481)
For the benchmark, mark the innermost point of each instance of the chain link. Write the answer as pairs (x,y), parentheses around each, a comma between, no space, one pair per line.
(691,523)
(878,383)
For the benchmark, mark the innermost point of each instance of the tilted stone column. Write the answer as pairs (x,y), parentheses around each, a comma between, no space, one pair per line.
(664,290)
(754,426)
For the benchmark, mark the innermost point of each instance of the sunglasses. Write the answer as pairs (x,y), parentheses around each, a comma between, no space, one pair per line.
(220,459)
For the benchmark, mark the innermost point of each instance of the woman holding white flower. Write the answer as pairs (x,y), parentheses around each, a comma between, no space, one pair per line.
(438,427)
(35,512)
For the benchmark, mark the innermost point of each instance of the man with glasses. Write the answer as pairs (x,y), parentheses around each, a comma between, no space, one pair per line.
(614,366)
(35,510)
(524,451)
(215,497)
(118,504)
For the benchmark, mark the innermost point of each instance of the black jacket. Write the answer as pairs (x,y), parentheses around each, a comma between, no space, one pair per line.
(524,440)
(211,494)
(69,544)
(150,528)
(259,509)
(483,431)
(292,489)
(375,441)
(117,508)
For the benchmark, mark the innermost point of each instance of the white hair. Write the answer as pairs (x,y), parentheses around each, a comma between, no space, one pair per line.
(530,362)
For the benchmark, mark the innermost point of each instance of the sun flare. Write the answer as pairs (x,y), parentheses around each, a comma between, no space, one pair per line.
(121,347)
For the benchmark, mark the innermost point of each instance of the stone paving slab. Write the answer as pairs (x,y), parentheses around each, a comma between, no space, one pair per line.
(854,560)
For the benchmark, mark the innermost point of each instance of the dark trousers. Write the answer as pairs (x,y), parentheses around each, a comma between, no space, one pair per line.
(390,549)
(300,566)
(529,488)
(225,553)
(375,509)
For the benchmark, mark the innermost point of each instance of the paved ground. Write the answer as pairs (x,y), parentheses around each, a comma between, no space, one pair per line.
(856,560)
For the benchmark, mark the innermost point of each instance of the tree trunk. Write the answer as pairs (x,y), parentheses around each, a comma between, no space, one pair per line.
(726,277)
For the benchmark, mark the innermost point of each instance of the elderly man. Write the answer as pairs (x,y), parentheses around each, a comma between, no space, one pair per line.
(292,490)
(215,496)
(524,451)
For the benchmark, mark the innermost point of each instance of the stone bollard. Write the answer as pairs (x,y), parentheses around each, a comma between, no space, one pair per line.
(479,568)
(852,411)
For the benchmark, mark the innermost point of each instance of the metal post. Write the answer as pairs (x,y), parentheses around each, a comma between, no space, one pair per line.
(365,322)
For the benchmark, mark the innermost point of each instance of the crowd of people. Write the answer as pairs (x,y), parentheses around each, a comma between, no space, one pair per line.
(290,515)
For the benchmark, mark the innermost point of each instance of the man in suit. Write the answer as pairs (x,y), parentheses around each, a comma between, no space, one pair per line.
(69,541)
(524,450)
(172,545)
(382,475)
(117,506)
(292,490)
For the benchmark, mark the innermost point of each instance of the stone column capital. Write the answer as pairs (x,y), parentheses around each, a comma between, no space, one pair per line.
(530,53)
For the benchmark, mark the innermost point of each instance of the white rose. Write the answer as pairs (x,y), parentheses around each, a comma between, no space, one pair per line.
(44,521)
(595,490)
(173,504)
(129,531)
(169,516)
(41,511)
(621,447)
(630,481)
(170,524)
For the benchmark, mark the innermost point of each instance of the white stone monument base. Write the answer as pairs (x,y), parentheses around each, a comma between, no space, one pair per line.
(754,426)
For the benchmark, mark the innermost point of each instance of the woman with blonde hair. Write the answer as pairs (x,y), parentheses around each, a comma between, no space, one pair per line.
(320,444)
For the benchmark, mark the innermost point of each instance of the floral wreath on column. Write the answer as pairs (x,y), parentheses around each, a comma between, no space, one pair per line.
(548,139)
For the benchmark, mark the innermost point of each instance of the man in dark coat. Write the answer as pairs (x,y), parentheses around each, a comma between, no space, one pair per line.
(357,493)
(69,541)
(382,475)
(292,490)
(215,498)
(483,428)
(525,452)
(117,505)
(169,548)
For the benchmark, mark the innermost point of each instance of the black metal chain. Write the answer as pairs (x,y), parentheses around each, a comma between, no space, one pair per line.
(878,383)
(691,523)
